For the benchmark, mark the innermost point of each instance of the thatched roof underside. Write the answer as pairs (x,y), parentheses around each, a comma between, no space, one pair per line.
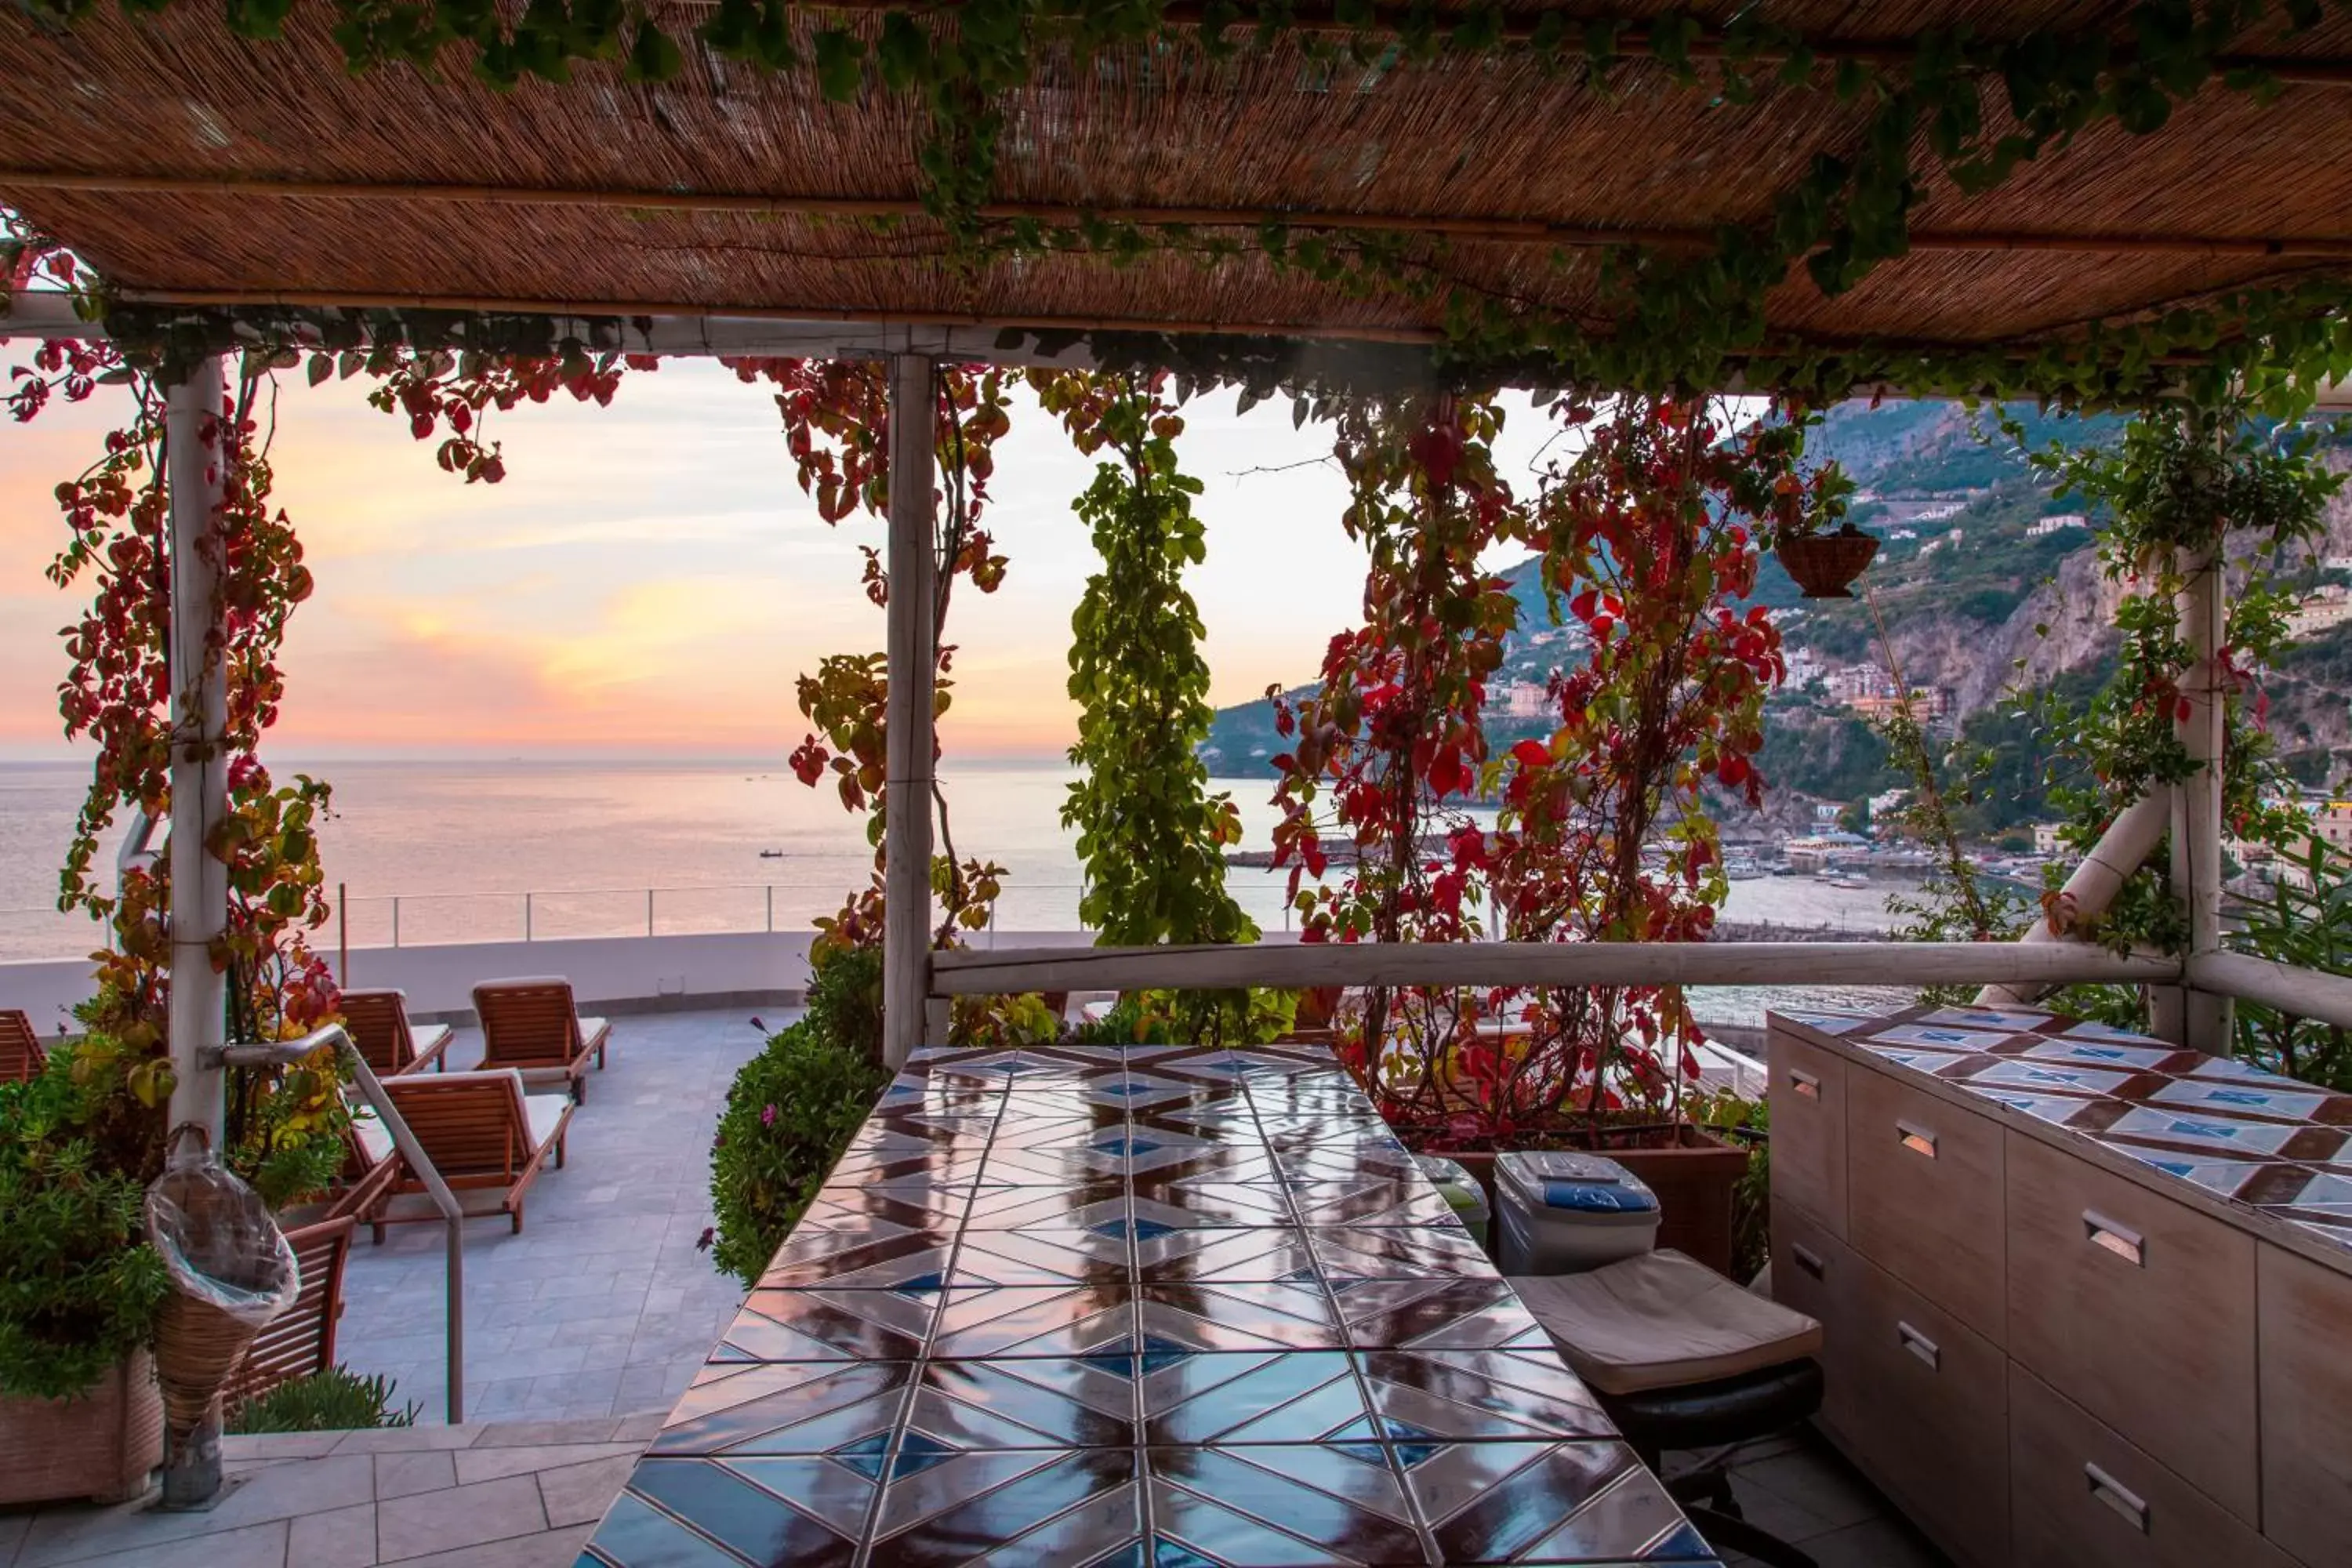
(176,99)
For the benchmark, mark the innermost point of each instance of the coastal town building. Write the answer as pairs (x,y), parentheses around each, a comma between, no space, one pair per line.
(1518,699)
(2046,837)
(1853,681)
(1925,702)
(2324,609)
(2057,522)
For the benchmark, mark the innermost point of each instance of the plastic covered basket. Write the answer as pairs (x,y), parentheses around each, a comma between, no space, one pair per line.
(230,1271)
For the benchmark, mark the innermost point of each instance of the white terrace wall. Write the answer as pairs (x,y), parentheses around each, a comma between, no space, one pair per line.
(609,974)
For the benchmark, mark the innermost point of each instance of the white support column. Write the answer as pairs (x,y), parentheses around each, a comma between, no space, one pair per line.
(909,732)
(199,906)
(2205,1018)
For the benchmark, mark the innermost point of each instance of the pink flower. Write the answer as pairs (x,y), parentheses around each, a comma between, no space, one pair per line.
(767,1116)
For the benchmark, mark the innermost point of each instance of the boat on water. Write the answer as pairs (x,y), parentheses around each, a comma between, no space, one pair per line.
(1742,871)
(1846,879)
(772,854)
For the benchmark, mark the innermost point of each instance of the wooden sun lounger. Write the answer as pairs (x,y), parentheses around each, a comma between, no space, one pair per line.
(21,1055)
(372,1172)
(378,1021)
(300,1340)
(481,1131)
(531,1026)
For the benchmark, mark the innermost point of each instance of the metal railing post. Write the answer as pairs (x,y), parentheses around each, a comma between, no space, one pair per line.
(771,908)
(282,1052)
(342,936)
(526,914)
(649,911)
(395,920)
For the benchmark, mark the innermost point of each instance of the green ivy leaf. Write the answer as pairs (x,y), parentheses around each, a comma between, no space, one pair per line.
(840,64)
(653,58)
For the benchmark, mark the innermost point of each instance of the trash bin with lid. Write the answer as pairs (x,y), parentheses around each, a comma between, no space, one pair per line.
(1461,1189)
(1563,1213)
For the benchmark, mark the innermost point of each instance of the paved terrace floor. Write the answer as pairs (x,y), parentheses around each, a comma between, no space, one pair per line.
(602,1306)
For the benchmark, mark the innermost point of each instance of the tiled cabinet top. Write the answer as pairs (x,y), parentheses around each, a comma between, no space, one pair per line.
(1153,1307)
(2263,1145)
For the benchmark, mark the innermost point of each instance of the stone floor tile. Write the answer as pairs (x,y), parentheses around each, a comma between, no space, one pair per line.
(554,1549)
(541,1433)
(268,1494)
(404,1475)
(343,1538)
(400,1439)
(1876,1543)
(13,1527)
(253,1546)
(259,1445)
(461,1516)
(490,1464)
(579,1494)
(639,1428)
(1821,1483)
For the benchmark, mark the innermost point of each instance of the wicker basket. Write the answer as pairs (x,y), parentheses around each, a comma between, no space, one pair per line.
(104,1445)
(1825,564)
(230,1271)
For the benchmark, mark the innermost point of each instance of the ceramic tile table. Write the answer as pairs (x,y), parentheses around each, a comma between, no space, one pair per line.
(1153,1307)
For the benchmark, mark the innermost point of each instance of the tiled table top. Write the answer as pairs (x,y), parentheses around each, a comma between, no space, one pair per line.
(2260,1141)
(1153,1307)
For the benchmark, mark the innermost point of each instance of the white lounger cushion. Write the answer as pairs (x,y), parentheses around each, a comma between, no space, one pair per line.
(546,1114)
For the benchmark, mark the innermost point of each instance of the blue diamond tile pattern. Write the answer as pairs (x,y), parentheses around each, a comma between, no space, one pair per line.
(2234,1129)
(1172,1307)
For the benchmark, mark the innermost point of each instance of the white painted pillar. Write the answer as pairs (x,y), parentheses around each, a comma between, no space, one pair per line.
(910,734)
(199,906)
(2204,1017)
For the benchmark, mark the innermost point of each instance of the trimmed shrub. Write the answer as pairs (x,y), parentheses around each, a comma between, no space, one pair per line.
(792,1110)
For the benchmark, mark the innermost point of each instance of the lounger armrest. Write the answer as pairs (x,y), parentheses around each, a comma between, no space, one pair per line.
(593,1033)
(546,1115)
(430,1041)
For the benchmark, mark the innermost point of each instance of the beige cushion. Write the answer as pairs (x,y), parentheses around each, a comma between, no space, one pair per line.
(1662,1320)
(546,1114)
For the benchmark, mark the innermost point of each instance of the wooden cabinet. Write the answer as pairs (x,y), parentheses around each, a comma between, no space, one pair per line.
(2051,1353)
(1813,1273)
(1923,1196)
(2307,1406)
(2140,1309)
(2082,1496)
(1932,1410)
(1808,1105)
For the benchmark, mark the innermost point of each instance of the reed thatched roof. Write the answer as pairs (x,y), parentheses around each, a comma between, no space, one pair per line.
(153,145)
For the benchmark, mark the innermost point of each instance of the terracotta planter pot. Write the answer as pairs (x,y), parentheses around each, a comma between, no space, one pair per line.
(102,1446)
(1694,1177)
(1825,564)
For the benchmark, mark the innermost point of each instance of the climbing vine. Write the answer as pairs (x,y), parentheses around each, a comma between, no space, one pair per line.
(1151,836)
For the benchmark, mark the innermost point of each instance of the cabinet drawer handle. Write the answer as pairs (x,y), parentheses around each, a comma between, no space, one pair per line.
(2122,1240)
(2117,1496)
(1804,1083)
(1915,1137)
(1919,1345)
(1807,1260)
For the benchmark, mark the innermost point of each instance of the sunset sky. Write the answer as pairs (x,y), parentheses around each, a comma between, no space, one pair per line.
(649,578)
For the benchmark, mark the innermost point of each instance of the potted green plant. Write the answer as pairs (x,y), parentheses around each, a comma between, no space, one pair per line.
(80,1413)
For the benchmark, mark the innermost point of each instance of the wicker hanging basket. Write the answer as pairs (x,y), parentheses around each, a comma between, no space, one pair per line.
(1825,564)
(231,1273)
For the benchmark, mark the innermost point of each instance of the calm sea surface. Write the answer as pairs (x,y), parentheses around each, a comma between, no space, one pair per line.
(459,845)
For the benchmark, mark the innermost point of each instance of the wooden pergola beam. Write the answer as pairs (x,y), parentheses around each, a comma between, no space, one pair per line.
(1706,46)
(1486,229)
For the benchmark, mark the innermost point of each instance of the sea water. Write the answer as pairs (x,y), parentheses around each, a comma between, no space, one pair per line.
(493,850)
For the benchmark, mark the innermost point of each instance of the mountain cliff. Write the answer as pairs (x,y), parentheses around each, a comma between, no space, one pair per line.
(1986,582)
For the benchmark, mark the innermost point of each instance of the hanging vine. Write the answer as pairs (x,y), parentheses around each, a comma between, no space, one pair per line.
(1151,836)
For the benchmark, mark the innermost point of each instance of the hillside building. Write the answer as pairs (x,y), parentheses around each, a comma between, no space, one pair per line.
(2056,523)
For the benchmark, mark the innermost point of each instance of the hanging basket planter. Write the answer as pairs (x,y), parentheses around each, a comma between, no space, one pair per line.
(1825,564)
(230,1268)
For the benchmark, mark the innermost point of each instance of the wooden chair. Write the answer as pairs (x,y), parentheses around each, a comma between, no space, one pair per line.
(372,1172)
(378,1021)
(21,1055)
(481,1131)
(300,1340)
(533,1027)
